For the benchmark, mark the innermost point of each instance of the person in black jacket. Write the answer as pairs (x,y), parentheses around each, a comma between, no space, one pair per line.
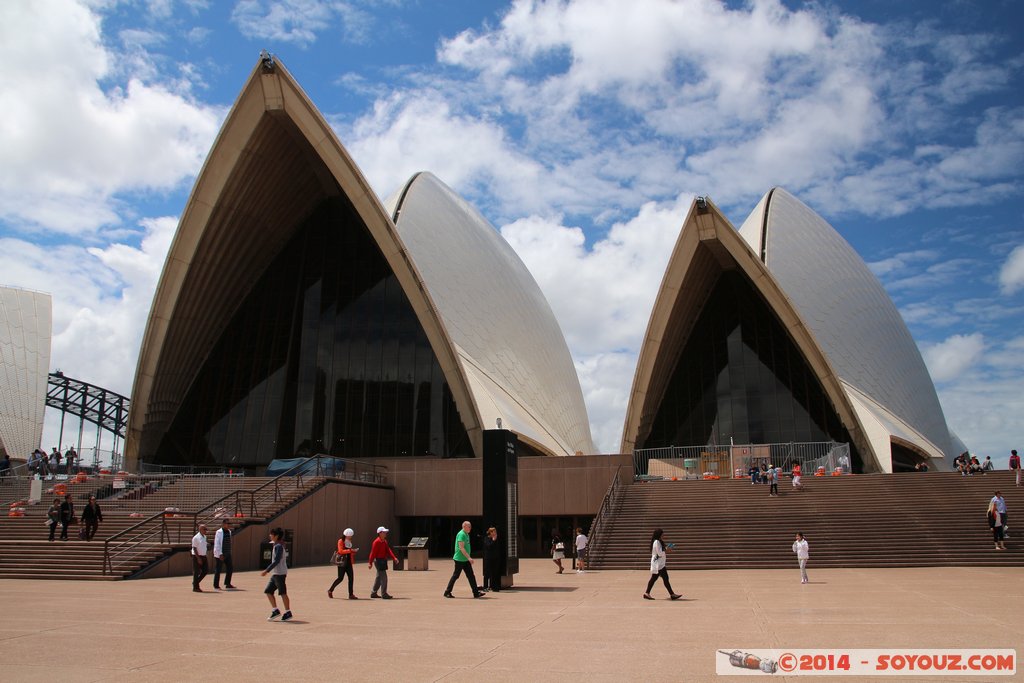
(493,561)
(53,514)
(91,518)
(67,513)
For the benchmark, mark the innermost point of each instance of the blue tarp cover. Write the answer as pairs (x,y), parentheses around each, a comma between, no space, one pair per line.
(279,466)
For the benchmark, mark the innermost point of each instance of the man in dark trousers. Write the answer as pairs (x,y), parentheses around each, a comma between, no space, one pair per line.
(463,562)
(91,518)
(200,568)
(222,554)
(67,514)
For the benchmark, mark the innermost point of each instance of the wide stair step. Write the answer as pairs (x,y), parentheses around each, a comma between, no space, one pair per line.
(895,520)
(25,552)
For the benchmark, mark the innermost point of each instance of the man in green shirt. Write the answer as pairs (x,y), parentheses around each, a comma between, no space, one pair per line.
(463,562)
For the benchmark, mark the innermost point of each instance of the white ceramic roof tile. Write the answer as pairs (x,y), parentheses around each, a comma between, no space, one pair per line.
(25,322)
(852,317)
(496,315)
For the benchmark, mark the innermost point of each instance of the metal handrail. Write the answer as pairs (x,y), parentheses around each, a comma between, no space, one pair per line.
(611,497)
(144,537)
(163,516)
(723,460)
(157,468)
(252,493)
(363,471)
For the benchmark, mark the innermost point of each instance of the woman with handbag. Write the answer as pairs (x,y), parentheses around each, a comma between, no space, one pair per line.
(557,549)
(344,557)
(53,515)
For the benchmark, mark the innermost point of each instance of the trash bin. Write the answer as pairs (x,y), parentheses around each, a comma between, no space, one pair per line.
(267,550)
(400,550)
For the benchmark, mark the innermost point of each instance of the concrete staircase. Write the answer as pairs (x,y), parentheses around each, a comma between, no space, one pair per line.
(898,520)
(25,552)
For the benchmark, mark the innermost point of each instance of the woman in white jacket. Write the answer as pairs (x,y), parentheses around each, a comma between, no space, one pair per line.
(802,554)
(658,561)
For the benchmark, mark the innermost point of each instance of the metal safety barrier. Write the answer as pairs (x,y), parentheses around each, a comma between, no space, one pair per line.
(735,460)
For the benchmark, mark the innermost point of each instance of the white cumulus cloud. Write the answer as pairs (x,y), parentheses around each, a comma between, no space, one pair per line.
(1011,275)
(300,21)
(71,145)
(951,358)
(101,299)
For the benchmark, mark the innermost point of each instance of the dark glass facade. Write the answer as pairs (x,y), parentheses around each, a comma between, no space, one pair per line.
(325,355)
(740,376)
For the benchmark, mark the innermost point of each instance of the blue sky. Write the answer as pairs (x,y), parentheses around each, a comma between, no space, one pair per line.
(581,129)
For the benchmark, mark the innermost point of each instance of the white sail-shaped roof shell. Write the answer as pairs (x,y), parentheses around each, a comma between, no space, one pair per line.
(507,339)
(707,246)
(854,323)
(274,160)
(25,329)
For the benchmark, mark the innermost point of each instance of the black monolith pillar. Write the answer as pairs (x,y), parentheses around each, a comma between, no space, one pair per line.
(501,496)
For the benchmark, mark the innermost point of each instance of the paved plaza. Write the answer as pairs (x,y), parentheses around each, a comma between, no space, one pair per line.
(569,627)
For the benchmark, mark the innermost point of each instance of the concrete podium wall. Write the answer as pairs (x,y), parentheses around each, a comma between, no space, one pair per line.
(420,487)
(317,522)
(438,487)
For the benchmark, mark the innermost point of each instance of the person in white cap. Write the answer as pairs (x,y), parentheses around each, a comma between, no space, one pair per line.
(346,558)
(380,555)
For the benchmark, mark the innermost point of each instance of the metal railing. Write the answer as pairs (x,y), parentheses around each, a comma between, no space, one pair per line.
(126,547)
(154,468)
(148,493)
(17,485)
(609,506)
(354,470)
(14,486)
(695,462)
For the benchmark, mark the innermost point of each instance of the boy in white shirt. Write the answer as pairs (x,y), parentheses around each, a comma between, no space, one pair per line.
(581,551)
(802,553)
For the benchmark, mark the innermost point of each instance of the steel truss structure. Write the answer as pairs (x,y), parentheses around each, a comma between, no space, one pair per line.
(106,409)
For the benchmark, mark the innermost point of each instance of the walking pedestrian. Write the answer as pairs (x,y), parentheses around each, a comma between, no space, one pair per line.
(1000,504)
(91,518)
(557,549)
(200,566)
(659,560)
(278,570)
(347,558)
(380,554)
(222,554)
(67,516)
(996,522)
(53,514)
(581,551)
(463,562)
(773,480)
(1015,465)
(803,552)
